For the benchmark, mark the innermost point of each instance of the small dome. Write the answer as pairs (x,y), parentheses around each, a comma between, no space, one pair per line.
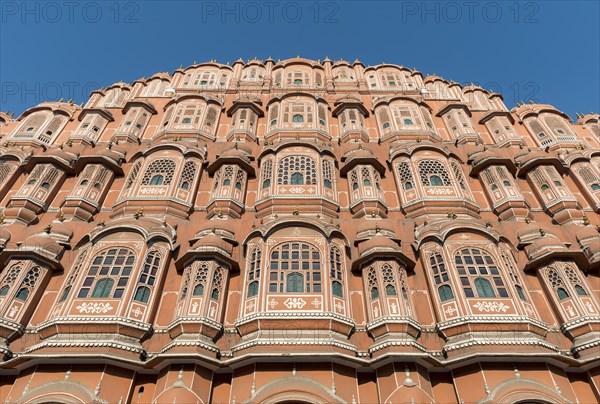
(587,233)
(378,243)
(44,244)
(61,231)
(5,236)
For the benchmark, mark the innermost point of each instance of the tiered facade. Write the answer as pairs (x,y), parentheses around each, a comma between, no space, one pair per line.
(299,231)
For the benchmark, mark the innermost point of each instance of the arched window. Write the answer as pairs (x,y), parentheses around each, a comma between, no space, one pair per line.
(294,282)
(372,282)
(445,293)
(198,290)
(337,289)
(188,175)
(435,181)
(298,118)
(484,288)
(115,264)
(520,293)
(157,180)
(201,273)
(513,275)
(28,284)
(142,294)
(433,173)
(389,281)
(217,283)
(438,267)
(9,279)
(580,291)
(476,267)
(148,276)
(405,175)
(562,294)
(390,290)
(297,179)
(254,271)
(327,174)
(267,172)
(252,289)
(335,271)
(302,165)
(133,175)
(73,275)
(65,294)
(22,294)
(159,172)
(301,259)
(103,288)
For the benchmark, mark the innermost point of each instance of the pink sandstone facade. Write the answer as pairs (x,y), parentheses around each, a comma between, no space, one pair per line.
(299,231)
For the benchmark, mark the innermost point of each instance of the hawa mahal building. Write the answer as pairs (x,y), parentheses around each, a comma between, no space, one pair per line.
(299,231)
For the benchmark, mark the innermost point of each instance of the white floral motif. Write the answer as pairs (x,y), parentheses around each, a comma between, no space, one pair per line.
(297,190)
(316,302)
(294,303)
(450,310)
(93,308)
(439,191)
(136,312)
(153,191)
(491,307)
(13,311)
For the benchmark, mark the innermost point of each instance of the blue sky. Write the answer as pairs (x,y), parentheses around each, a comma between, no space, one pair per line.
(548,51)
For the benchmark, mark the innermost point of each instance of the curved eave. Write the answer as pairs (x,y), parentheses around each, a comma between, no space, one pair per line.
(454,105)
(379,253)
(390,99)
(441,233)
(185,150)
(532,163)
(409,150)
(479,165)
(576,255)
(533,112)
(130,225)
(264,231)
(245,104)
(56,109)
(206,64)
(494,114)
(342,105)
(9,253)
(137,103)
(207,100)
(106,114)
(206,252)
(50,159)
(291,143)
(297,94)
(238,160)
(298,61)
(113,165)
(353,162)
